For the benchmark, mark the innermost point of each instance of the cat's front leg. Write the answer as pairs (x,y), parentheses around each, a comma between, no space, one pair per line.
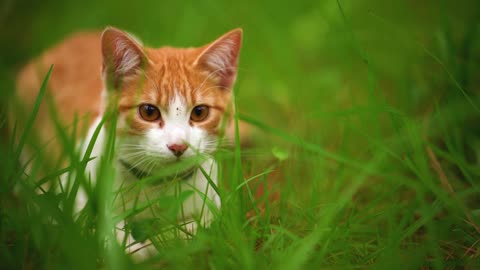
(200,209)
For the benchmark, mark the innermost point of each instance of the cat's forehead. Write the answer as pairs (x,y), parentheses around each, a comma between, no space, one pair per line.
(173,70)
(171,59)
(171,73)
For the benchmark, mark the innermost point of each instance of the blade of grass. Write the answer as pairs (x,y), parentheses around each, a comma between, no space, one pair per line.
(36,107)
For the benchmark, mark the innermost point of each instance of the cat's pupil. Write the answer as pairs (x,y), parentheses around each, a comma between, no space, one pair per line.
(150,110)
(199,113)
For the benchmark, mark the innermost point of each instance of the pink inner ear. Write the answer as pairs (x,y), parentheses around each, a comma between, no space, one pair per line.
(221,57)
(122,56)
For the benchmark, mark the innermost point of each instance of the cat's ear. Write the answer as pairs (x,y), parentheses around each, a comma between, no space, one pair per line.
(220,58)
(123,57)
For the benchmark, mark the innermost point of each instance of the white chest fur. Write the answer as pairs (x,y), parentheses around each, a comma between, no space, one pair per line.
(197,209)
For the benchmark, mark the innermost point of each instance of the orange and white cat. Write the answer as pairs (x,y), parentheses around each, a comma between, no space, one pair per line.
(171,104)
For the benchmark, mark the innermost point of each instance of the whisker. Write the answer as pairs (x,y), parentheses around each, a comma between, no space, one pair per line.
(140,162)
(211,74)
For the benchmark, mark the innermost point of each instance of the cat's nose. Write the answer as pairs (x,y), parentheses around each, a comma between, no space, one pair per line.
(177,149)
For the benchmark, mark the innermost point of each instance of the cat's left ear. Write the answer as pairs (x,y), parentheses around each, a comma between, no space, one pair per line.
(220,58)
(123,57)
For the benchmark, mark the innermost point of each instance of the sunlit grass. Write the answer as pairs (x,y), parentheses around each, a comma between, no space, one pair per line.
(364,118)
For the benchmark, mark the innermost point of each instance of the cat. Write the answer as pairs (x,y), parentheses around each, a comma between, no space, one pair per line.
(171,104)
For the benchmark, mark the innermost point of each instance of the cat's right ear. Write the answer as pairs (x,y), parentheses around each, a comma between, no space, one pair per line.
(123,57)
(220,57)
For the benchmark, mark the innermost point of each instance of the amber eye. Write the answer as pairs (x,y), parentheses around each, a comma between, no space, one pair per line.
(149,112)
(199,113)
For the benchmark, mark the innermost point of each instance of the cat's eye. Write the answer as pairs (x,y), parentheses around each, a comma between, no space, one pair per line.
(199,113)
(149,112)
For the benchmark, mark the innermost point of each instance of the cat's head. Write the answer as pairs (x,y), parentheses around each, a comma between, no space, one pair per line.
(171,101)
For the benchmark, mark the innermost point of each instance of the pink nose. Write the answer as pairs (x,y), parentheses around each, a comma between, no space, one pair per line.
(177,149)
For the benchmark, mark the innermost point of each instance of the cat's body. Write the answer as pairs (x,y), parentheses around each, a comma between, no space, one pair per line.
(171,105)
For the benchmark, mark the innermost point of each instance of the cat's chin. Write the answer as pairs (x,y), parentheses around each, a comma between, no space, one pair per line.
(186,162)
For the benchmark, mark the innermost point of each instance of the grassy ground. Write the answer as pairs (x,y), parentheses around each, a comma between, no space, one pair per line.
(368,114)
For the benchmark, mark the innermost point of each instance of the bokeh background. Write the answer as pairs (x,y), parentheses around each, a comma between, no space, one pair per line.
(304,60)
(368,110)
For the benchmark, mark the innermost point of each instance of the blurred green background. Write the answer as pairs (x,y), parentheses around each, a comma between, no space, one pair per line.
(302,60)
(355,102)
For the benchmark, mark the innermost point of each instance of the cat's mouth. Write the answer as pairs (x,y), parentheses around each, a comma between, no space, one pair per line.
(179,173)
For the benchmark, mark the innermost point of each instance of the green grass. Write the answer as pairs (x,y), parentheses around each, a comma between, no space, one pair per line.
(365,115)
